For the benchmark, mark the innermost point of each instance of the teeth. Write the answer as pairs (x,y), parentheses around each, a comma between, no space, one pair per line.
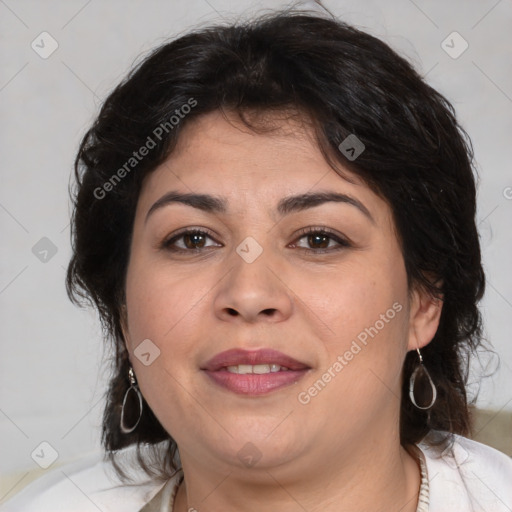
(258,369)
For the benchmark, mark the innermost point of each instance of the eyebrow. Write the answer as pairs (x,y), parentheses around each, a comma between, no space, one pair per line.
(287,205)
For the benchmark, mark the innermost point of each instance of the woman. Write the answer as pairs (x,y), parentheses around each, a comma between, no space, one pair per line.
(276,222)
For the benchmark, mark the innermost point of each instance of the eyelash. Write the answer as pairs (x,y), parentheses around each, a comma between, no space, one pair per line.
(343,243)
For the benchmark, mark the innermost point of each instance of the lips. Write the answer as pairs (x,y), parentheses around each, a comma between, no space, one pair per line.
(236,357)
(261,381)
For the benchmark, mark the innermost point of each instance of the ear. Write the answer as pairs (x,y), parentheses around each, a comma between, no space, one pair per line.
(424,315)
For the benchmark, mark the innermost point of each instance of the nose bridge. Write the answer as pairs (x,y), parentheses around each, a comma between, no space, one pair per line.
(252,287)
(251,262)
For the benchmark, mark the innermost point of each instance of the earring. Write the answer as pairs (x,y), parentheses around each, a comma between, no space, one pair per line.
(135,388)
(421,372)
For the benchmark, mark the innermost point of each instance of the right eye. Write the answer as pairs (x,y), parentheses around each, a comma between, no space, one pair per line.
(192,240)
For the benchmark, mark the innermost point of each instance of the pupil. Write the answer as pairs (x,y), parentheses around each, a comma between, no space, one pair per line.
(313,239)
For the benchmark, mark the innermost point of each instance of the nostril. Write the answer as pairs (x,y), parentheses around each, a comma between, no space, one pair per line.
(232,312)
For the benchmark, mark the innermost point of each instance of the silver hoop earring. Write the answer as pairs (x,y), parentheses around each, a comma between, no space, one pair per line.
(133,387)
(421,372)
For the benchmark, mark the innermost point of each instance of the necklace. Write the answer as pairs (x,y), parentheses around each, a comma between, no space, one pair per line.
(424,497)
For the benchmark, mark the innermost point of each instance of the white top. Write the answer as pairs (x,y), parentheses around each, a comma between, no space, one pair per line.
(471,477)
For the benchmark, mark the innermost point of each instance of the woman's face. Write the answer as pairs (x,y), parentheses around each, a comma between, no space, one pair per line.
(335,302)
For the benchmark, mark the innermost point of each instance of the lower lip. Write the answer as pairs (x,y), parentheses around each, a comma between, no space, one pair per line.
(255,384)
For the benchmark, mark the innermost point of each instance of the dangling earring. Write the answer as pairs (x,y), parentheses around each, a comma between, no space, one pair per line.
(135,388)
(421,372)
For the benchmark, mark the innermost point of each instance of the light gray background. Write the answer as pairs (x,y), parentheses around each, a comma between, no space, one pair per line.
(51,373)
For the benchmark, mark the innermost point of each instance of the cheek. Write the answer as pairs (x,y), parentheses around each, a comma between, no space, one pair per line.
(353,297)
(162,308)
(158,301)
(365,308)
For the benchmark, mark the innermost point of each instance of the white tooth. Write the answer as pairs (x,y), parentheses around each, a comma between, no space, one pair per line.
(261,368)
(258,369)
(244,368)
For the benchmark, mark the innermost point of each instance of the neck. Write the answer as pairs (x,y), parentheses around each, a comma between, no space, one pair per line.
(377,479)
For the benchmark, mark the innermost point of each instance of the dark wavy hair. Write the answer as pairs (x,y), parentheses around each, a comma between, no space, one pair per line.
(344,81)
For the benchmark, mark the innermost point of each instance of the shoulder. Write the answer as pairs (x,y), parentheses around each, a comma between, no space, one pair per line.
(87,485)
(468,476)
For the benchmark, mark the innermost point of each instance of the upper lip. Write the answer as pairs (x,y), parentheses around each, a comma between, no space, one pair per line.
(236,356)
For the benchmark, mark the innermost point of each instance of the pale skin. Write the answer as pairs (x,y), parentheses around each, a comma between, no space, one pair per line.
(341,451)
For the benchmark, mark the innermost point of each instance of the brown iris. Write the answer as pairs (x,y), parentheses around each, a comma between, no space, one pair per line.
(315,238)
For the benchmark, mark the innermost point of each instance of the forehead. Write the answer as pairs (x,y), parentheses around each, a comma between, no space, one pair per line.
(219,154)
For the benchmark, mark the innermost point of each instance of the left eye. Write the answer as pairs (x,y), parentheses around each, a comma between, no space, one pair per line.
(321,239)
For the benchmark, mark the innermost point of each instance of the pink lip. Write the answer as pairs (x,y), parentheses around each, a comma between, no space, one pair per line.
(253,384)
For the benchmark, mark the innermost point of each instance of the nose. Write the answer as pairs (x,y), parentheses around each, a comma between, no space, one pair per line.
(253,291)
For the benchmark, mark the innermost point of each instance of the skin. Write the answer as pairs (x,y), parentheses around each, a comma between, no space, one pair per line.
(340,451)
